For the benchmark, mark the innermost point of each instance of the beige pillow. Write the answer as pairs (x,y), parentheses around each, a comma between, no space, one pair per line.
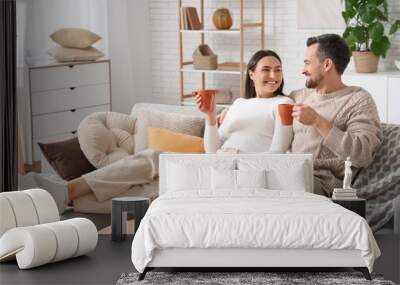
(185,124)
(74,38)
(74,54)
(106,137)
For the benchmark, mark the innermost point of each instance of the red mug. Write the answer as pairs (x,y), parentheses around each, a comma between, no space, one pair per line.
(285,112)
(207,96)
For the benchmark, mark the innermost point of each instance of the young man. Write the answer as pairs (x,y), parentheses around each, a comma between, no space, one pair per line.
(331,120)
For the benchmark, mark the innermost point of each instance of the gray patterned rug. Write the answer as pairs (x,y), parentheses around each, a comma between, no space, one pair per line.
(242,278)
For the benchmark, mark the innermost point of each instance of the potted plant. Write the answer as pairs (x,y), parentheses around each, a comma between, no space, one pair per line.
(365,33)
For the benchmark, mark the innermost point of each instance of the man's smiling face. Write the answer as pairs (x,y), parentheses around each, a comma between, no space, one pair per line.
(313,67)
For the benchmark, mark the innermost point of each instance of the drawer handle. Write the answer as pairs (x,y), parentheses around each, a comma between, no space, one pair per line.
(73,110)
(73,132)
(72,88)
(71,66)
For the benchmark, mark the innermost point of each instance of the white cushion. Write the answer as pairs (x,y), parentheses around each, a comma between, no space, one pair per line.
(226,179)
(106,137)
(281,174)
(40,244)
(251,179)
(285,171)
(223,179)
(186,174)
(188,177)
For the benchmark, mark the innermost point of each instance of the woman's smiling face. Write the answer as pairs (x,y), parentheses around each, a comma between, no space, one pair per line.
(267,76)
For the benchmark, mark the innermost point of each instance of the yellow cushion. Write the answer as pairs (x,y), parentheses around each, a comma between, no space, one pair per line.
(165,140)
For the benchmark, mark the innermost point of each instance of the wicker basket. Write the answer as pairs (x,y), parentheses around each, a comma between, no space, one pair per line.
(204,58)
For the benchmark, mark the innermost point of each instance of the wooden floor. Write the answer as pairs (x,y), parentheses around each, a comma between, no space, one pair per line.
(103,266)
(111,259)
(389,263)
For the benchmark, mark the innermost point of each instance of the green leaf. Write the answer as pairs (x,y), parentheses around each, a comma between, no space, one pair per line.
(353,48)
(345,17)
(380,48)
(394,27)
(360,34)
(351,40)
(347,32)
(376,31)
(381,16)
(367,15)
(348,4)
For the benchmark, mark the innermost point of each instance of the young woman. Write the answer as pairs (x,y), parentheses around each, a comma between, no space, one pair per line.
(252,124)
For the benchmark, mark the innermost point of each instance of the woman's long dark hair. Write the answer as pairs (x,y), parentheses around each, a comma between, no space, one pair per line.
(250,89)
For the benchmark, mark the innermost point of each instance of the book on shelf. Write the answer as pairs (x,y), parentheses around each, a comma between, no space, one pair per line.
(190,19)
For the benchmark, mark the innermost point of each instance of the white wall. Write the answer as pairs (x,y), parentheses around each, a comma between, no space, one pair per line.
(281,35)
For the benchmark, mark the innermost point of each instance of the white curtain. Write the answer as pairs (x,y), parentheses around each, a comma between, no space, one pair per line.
(43,17)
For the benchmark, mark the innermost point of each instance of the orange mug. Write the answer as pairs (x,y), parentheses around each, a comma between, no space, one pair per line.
(207,96)
(285,112)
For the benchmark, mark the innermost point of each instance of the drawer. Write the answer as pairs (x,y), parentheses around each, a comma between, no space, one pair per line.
(37,153)
(66,76)
(70,98)
(62,122)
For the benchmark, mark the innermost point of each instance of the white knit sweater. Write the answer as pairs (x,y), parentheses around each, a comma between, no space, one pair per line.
(251,125)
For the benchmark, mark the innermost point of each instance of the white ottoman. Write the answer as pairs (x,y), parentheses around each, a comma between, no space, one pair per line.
(31,232)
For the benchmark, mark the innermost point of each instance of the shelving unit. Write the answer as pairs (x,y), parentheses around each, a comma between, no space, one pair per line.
(187,65)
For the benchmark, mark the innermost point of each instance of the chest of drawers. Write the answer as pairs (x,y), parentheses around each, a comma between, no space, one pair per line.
(61,95)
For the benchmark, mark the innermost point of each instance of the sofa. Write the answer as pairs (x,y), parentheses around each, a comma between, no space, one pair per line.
(89,204)
(379,183)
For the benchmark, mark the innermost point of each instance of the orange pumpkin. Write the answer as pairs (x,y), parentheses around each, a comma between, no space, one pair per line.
(222,19)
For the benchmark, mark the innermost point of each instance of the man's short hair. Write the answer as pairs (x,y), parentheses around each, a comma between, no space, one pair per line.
(334,47)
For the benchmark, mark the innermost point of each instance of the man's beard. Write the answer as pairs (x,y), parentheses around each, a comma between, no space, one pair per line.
(314,83)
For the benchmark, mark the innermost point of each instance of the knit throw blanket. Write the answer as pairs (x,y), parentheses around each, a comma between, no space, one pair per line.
(379,183)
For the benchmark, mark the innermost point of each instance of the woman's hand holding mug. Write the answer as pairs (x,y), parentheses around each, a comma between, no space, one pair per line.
(206,103)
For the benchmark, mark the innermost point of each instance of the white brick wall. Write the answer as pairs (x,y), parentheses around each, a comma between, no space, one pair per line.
(281,35)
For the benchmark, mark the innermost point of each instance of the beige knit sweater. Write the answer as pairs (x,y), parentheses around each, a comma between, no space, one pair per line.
(356,133)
